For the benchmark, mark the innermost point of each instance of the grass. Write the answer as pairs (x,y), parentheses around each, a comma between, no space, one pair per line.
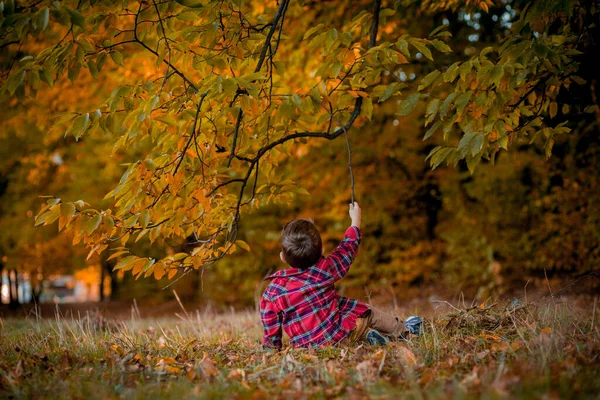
(547,350)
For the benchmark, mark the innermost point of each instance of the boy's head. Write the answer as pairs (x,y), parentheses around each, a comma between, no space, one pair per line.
(301,245)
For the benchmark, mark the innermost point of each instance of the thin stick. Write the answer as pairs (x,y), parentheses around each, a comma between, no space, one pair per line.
(343,128)
(350,165)
(447,303)
(181,305)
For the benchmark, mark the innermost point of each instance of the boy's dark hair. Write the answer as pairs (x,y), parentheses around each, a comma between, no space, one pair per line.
(301,243)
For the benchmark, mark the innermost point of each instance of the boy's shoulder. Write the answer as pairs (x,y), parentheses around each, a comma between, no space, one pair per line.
(284,273)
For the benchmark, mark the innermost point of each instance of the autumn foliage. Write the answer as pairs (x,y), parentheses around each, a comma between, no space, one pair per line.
(163,126)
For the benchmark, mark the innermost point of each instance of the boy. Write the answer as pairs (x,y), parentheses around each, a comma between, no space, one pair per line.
(302,300)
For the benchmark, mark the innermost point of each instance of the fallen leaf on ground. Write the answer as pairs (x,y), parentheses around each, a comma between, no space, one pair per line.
(208,366)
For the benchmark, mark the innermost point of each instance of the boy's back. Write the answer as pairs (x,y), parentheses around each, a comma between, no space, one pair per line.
(303,301)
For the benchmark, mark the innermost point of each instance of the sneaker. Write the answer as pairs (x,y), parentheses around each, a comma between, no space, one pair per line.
(376,338)
(414,324)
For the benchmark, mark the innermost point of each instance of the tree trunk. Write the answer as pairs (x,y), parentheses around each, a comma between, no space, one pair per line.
(35,294)
(114,286)
(107,267)
(13,288)
(102,282)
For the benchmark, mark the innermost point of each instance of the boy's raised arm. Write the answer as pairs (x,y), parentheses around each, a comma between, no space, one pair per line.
(340,260)
(272,324)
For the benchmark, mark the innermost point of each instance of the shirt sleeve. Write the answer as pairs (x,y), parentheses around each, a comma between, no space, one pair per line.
(338,262)
(272,323)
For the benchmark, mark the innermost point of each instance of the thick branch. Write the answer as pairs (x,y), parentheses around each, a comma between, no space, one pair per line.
(375,24)
(263,53)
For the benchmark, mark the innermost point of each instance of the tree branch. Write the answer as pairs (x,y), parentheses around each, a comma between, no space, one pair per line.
(263,53)
(235,135)
(192,134)
(144,45)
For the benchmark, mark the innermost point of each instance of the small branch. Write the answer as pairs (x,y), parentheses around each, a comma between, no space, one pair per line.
(144,45)
(263,53)
(235,136)
(220,185)
(192,134)
(162,27)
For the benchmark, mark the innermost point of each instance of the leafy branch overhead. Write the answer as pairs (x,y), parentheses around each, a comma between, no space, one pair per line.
(211,96)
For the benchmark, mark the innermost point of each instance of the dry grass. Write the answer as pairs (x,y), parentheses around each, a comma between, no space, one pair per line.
(490,351)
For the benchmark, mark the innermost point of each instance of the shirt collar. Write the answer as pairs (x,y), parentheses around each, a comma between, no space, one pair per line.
(283,273)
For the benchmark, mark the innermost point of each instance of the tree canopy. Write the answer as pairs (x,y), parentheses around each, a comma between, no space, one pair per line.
(205,103)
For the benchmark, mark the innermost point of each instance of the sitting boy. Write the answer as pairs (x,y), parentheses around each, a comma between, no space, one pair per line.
(302,299)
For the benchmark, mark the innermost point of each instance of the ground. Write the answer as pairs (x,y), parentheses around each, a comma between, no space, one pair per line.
(547,348)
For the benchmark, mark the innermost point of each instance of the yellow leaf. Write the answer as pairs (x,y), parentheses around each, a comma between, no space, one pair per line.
(159,271)
(553,109)
(242,244)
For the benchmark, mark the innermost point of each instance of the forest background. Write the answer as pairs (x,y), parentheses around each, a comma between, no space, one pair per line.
(88,107)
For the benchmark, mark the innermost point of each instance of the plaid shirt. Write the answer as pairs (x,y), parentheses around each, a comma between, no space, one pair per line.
(304,303)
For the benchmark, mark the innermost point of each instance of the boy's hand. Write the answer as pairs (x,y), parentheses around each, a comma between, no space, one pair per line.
(355,214)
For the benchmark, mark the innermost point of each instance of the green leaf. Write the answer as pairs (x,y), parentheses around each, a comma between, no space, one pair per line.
(441,46)
(389,91)
(148,264)
(15,81)
(432,109)
(439,156)
(46,76)
(117,254)
(472,163)
(144,218)
(76,17)
(446,104)
(503,142)
(124,262)
(476,144)
(117,57)
(432,130)
(496,74)
(92,224)
(67,210)
(428,80)
(191,3)
(167,119)
(402,45)
(467,137)
(548,148)
(109,223)
(408,104)
(421,48)
(42,19)
(93,69)
(80,124)
(462,102)
(311,31)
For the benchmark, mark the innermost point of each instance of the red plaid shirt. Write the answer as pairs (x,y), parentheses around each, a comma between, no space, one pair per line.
(304,303)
